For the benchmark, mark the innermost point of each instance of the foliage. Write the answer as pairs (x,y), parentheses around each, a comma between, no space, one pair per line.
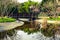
(24,7)
(10,32)
(6,7)
(30,31)
(46,2)
(26,28)
(50,4)
(6,19)
(49,31)
(10,7)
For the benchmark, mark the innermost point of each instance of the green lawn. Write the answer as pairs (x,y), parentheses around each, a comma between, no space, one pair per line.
(6,19)
(58,19)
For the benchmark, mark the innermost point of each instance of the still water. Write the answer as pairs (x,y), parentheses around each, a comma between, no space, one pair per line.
(21,35)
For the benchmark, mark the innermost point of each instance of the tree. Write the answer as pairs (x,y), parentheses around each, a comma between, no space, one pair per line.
(26,6)
(51,5)
(46,2)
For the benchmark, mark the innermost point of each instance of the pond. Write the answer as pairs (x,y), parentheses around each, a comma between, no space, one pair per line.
(28,35)
(33,36)
(21,35)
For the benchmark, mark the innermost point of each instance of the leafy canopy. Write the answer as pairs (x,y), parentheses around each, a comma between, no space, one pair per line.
(24,7)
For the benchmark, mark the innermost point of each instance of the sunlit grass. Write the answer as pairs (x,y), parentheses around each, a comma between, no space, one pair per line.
(6,19)
(58,19)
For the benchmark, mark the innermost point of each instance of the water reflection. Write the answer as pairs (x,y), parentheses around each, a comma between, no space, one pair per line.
(34,36)
(21,35)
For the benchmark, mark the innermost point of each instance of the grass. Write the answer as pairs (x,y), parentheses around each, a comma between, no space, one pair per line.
(6,19)
(58,19)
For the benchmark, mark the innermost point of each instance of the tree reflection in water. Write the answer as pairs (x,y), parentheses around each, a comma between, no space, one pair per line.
(22,35)
(35,36)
